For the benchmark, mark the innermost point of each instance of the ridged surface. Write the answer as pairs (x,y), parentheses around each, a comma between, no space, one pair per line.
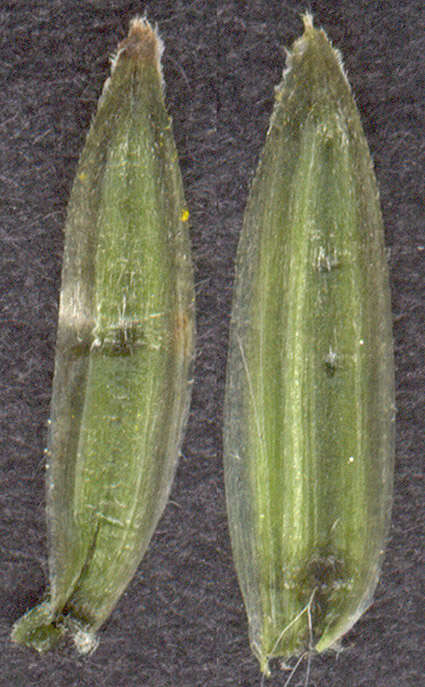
(122,381)
(309,411)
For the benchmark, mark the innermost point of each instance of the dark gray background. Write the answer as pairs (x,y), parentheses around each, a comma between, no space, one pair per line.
(181,622)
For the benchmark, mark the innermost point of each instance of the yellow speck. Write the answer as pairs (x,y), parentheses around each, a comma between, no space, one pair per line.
(184,216)
(82,176)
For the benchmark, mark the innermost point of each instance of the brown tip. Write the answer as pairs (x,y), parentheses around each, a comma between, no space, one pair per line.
(142,43)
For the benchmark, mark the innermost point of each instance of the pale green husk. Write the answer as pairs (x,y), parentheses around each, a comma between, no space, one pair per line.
(309,410)
(122,378)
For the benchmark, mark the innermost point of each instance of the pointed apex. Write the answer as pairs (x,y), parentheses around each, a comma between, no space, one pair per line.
(142,41)
(142,44)
(308,21)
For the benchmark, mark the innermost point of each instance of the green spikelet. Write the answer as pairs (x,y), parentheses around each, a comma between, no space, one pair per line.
(122,379)
(309,411)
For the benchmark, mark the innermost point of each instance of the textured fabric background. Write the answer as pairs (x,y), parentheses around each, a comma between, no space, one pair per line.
(181,622)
